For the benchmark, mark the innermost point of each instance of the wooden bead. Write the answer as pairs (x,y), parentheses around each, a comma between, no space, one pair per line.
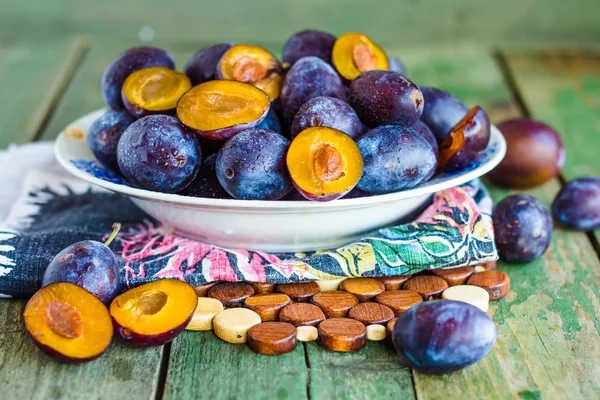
(371,313)
(497,283)
(267,305)
(232,325)
(488,266)
(376,332)
(393,282)
(330,284)
(231,294)
(299,314)
(389,327)
(399,300)
(298,291)
(202,290)
(475,295)
(335,303)
(428,286)
(307,333)
(202,320)
(272,338)
(342,334)
(262,287)
(363,288)
(454,276)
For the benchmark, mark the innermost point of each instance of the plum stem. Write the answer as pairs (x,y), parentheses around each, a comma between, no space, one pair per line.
(116,227)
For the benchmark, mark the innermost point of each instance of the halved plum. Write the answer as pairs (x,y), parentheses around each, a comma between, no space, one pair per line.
(324,163)
(254,65)
(355,53)
(218,110)
(68,323)
(202,66)
(154,90)
(154,313)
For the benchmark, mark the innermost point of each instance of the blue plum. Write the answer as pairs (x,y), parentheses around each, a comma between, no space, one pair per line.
(395,158)
(442,336)
(271,121)
(442,111)
(395,65)
(202,66)
(577,205)
(308,43)
(330,112)
(206,183)
(252,166)
(424,131)
(523,228)
(104,134)
(157,153)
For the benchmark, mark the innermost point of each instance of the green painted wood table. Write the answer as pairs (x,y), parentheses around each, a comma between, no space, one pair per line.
(548,326)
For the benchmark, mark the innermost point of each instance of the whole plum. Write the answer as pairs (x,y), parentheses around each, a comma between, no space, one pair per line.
(577,205)
(252,166)
(271,121)
(424,131)
(104,134)
(441,112)
(395,65)
(523,228)
(308,78)
(124,64)
(308,43)
(330,112)
(534,154)
(385,98)
(395,158)
(206,183)
(157,153)
(442,336)
(201,67)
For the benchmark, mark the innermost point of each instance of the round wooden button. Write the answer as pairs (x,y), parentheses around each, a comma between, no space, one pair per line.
(202,290)
(299,314)
(307,333)
(454,276)
(363,288)
(475,295)
(330,284)
(393,282)
(231,294)
(488,266)
(262,287)
(376,332)
(371,313)
(399,300)
(202,320)
(272,338)
(232,325)
(267,305)
(497,283)
(298,291)
(342,334)
(427,286)
(389,328)
(335,303)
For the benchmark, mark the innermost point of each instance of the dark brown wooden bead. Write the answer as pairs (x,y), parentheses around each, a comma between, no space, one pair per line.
(371,313)
(454,276)
(393,282)
(202,290)
(428,286)
(363,288)
(488,266)
(231,294)
(497,283)
(302,291)
(301,314)
(334,303)
(267,306)
(272,338)
(389,327)
(342,334)
(399,300)
(262,287)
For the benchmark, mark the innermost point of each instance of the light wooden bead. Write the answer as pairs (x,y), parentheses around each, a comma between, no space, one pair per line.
(363,288)
(307,333)
(267,306)
(342,334)
(475,295)
(330,284)
(202,320)
(376,332)
(301,291)
(393,282)
(334,303)
(272,338)
(232,325)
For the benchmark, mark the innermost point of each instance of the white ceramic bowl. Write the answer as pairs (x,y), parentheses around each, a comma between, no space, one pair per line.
(273,226)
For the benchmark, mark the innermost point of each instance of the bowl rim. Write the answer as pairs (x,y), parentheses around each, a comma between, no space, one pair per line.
(460,178)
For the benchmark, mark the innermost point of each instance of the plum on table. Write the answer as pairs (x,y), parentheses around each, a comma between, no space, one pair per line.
(577,205)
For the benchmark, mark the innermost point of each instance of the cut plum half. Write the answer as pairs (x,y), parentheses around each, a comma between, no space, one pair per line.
(155,313)
(68,323)
(355,53)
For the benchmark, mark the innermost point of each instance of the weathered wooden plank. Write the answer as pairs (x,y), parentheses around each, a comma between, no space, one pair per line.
(204,367)
(26,373)
(32,77)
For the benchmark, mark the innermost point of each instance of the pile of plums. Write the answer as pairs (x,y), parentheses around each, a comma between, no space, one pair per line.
(333,117)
